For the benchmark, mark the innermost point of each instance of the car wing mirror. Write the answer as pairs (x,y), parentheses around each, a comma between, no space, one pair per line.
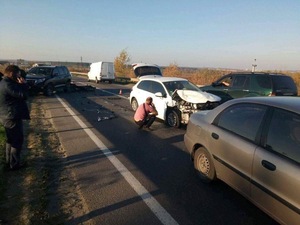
(158,94)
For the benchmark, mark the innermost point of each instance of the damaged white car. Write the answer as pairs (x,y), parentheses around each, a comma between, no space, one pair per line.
(175,98)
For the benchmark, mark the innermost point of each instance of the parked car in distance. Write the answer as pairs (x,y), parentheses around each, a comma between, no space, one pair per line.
(250,84)
(145,69)
(101,72)
(175,98)
(253,145)
(48,78)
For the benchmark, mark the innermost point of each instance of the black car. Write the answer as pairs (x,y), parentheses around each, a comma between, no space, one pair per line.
(250,84)
(47,78)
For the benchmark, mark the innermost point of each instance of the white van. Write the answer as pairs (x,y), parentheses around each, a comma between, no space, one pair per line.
(102,71)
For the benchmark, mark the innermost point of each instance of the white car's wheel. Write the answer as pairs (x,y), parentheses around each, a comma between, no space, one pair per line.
(134,104)
(204,165)
(173,118)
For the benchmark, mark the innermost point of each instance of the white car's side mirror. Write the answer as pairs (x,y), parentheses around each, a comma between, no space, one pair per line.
(158,94)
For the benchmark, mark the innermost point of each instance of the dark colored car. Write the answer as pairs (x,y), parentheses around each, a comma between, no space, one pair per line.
(253,145)
(47,78)
(248,84)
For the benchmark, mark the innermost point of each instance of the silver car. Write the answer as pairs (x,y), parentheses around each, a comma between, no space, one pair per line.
(253,145)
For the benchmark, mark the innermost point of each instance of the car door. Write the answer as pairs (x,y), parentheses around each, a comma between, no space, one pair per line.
(221,88)
(276,166)
(142,91)
(239,87)
(234,141)
(56,74)
(159,96)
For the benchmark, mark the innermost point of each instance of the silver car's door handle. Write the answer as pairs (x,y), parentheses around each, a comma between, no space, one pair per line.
(215,136)
(268,165)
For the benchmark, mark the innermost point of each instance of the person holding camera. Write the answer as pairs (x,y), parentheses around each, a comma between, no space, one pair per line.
(145,114)
(13,110)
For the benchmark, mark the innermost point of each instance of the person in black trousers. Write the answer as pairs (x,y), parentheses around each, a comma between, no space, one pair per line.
(13,110)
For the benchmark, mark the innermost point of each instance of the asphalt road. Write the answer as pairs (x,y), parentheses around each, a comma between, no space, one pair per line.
(131,176)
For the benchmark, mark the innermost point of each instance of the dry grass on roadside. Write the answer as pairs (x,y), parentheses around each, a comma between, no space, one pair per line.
(44,192)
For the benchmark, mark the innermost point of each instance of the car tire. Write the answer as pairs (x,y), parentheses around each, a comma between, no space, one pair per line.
(67,87)
(204,165)
(49,90)
(134,104)
(173,118)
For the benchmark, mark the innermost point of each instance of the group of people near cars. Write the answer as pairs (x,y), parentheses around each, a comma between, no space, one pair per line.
(13,110)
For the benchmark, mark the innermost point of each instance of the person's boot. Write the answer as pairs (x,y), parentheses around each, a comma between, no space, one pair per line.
(14,158)
(8,152)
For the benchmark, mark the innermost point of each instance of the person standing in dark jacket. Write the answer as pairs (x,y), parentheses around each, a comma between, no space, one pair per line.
(13,110)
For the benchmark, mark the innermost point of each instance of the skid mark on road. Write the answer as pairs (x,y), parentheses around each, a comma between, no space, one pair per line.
(149,200)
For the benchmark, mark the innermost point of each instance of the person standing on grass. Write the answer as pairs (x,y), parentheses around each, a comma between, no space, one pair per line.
(13,110)
(145,114)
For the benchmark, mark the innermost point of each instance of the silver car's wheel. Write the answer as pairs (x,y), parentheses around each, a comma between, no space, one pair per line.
(134,104)
(173,118)
(204,166)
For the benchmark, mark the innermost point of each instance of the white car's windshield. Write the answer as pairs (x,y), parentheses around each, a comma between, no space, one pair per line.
(171,86)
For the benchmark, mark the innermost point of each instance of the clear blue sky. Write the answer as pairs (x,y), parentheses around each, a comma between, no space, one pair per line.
(194,33)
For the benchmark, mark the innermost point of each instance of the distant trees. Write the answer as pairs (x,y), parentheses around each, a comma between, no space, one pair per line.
(172,70)
(121,64)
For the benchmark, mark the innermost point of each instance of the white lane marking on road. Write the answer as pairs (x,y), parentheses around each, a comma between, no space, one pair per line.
(106,91)
(150,201)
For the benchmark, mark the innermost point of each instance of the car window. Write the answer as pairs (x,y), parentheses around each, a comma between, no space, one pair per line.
(242,119)
(226,81)
(56,72)
(171,86)
(61,71)
(66,71)
(157,87)
(144,85)
(33,70)
(283,82)
(240,82)
(147,70)
(45,71)
(284,134)
(264,81)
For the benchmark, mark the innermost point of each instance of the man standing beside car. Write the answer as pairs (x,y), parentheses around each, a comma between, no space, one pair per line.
(13,110)
(145,114)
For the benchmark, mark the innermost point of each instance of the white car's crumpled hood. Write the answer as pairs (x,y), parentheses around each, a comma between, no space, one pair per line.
(197,96)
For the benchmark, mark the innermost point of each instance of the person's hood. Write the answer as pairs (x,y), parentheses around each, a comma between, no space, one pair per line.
(197,96)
